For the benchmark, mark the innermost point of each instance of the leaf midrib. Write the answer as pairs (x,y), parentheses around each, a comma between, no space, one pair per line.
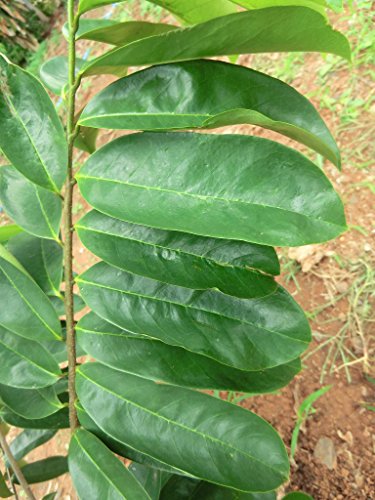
(250,269)
(44,213)
(28,304)
(127,292)
(29,360)
(186,428)
(97,467)
(15,112)
(207,197)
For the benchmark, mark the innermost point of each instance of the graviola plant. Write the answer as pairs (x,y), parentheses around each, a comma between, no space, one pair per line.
(184,300)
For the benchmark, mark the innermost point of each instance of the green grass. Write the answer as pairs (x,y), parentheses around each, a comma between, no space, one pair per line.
(304,411)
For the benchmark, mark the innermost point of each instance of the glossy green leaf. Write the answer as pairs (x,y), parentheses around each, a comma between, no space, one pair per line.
(25,364)
(32,136)
(44,470)
(35,209)
(28,440)
(240,33)
(119,448)
(225,186)
(42,259)
(181,259)
(211,439)
(97,474)
(8,231)
(318,5)
(189,11)
(35,403)
(157,361)
(115,33)
(196,11)
(35,317)
(87,25)
(185,488)
(4,490)
(151,479)
(86,139)
(246,334)
(219,94)
(57,348)
(54,73)
(58,420)
(59,305)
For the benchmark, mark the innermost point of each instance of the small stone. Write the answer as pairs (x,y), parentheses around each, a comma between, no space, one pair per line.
(347,437)
(358,480)
(342,287)
(367,247)
(325,452)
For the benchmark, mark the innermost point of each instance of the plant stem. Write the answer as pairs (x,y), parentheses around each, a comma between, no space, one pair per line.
(68,221)
(15,467)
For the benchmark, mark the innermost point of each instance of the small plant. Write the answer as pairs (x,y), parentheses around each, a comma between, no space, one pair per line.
(184,298)
(304,411)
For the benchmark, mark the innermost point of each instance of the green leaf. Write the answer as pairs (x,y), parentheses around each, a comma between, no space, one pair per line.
(86,139)
(119,448)
(24,363)
(220,94)
(189,11)
(36,403)
(44,470)
(28,440)
(58,420)
(8,231)
(151,479)
(224,186)
(42,259)
(32,136)
(160,362)
(181,259)
(59,305)
(35,209)
(115,33)
(196,11)
(4,490)
(239,33)
(318,5)
(186,488)
(54,73)
(58,348)
(245,334)
(212,439)
(35,317)
(97,473)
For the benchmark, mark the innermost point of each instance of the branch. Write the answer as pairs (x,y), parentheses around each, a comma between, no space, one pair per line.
(15,467)
(68,221)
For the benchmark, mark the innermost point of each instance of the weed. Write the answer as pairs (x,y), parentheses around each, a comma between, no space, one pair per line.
(351,344)
(304,411)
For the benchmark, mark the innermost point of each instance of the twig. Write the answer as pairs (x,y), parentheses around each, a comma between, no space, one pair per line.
(68,221)
(15,467)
